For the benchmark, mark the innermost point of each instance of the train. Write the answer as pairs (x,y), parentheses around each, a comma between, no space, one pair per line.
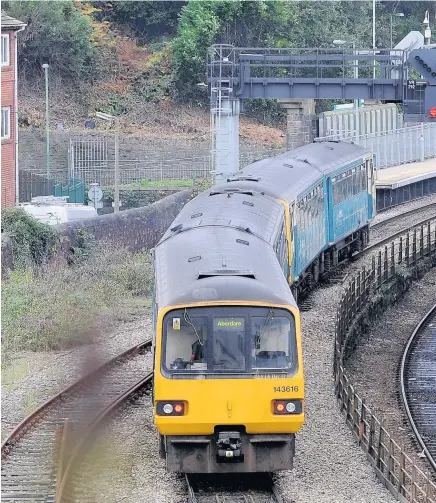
(228,390)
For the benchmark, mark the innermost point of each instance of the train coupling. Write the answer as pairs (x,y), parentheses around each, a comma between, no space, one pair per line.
(229,447)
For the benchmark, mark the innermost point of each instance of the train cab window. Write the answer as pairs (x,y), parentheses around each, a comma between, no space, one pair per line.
(229,343)
(233,340)
(185,342)
(273,346)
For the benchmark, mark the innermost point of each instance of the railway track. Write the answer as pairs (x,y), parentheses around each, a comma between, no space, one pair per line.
(400,216)
(418,384)
(33,452)
(393,236)
(232,488)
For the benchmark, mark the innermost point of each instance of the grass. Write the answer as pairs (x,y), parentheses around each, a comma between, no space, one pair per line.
(171,182)
(57,308)
(13,374)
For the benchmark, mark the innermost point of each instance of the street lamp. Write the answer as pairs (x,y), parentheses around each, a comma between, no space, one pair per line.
(356,76)
(112,118)
(47,122)
(398,14)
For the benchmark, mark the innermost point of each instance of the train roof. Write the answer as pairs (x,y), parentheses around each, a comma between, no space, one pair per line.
(218,263)
(288,175)
(250,211)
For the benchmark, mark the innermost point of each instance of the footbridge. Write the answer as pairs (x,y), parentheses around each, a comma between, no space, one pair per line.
(292,74)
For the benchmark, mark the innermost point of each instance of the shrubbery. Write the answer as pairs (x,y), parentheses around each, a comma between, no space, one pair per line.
(71,305)
(33,241)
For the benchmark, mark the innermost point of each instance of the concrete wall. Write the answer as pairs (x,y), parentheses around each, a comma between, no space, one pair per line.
(136,229)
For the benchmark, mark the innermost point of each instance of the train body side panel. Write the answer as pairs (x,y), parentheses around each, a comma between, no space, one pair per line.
(349,216)
(308,244)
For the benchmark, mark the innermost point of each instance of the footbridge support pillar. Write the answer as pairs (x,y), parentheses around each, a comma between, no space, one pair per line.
(300,122)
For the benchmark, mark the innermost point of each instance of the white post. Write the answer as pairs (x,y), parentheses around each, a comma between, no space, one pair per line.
(422,144)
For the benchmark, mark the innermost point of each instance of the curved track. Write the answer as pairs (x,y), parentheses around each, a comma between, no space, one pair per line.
(399,216)
(30,454)
(418,384)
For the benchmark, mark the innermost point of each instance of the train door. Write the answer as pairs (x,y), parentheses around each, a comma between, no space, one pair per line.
(154,329)
(328,204)
(370,169)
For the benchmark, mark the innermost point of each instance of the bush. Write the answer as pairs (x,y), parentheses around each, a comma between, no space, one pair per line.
(33,241)
(57,31)
(69,306)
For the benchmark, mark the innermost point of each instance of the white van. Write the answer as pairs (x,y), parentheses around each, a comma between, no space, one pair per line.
(57,210)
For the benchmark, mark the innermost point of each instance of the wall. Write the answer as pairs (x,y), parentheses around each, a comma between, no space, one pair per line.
(8,145)
(136,229)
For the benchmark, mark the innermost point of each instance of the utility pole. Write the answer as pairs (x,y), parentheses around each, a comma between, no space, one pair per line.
(47,121)
(373,37)
(116,121)
(117,166)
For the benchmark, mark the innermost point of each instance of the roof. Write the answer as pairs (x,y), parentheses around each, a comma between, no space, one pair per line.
(209,264)
(217,243)
(249,211)
(10,22)
(291,174)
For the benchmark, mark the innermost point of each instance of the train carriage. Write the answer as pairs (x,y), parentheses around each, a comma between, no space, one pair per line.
(229,387)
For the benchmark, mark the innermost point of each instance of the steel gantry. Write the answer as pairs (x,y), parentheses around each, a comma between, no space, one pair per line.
(236,74)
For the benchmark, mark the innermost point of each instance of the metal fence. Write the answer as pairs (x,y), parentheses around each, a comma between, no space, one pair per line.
(371,119)
(396,147)
(394,467)
(100,169)
(33,185)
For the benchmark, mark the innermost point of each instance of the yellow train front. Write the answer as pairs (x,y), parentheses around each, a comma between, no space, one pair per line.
(228,387)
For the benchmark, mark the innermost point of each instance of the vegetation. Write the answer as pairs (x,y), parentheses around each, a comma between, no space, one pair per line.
(57,33)
(70,305)
(32,240)
(155,51)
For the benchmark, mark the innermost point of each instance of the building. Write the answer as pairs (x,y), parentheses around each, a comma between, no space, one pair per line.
(9,116)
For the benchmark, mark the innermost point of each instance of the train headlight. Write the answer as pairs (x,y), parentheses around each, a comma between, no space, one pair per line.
(167,408)
(170,408)
(290,407)
(286,407)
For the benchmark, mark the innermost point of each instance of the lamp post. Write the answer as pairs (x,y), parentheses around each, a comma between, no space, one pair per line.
(112,118)
(356,76)
(47,122)
(373,37)
(398,14)
(427,30)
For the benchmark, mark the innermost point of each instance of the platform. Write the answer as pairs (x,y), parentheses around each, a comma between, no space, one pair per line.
(398,176)
(404,183)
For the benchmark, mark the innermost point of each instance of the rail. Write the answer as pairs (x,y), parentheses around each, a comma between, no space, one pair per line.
(65,415)
(407,401)
(390,271)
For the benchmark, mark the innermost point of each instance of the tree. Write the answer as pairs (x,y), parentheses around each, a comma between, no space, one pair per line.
(146,20)
(55,30)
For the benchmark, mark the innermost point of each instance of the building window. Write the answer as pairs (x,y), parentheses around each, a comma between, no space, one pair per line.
(6,122)
(5,50)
